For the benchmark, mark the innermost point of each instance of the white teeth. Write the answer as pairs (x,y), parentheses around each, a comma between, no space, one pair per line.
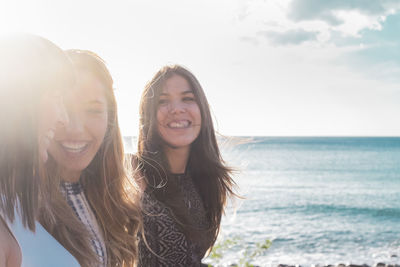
(180,124)
(74,146)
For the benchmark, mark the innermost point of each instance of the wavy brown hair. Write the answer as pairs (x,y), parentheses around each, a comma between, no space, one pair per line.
(106,185)
(211,176)
(30,66)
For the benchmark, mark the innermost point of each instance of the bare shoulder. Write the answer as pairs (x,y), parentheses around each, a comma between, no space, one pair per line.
(10,252)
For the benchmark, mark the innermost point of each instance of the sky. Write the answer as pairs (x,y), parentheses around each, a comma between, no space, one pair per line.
(268,67)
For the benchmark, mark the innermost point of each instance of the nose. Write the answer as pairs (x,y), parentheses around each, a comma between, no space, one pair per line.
(75,123)
(62,114)
(177,107)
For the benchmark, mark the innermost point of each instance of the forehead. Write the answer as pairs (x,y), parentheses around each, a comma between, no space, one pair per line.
(176,84)
(88,87)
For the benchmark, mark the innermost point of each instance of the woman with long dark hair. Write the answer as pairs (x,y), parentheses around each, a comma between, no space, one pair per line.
(94,215)
(34,77)
(180,169)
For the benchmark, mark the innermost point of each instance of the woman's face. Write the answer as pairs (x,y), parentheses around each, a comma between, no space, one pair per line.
(178,115)
(52,115)
(76,144)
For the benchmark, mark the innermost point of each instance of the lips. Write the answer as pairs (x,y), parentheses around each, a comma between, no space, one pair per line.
(181,124)
(74,147)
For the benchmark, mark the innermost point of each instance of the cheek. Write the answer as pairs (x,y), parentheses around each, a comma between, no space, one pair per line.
(196,113)
(98,126)
(103,126)
(161,114)
(48,115)
(159,122)
(161,117)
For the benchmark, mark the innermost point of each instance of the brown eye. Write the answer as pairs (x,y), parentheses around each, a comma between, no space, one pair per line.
(162,101)
(188,99)
(95,111)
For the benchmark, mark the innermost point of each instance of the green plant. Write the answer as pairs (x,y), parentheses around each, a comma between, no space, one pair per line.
(221,247)
(249,254)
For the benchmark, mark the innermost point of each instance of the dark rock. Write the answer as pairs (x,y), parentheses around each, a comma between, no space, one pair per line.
(356,265)
(380,264)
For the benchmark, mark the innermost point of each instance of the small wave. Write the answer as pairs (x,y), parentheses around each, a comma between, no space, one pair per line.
(281,239)
(393,213)
(315,209)
(322,209)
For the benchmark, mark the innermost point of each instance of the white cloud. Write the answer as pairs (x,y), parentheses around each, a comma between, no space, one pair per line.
(347,18)
(354,22)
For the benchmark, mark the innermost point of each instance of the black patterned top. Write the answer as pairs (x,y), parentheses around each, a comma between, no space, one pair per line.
(162,233)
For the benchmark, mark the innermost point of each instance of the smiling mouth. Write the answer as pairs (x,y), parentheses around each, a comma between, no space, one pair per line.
(74,147)
(179,124)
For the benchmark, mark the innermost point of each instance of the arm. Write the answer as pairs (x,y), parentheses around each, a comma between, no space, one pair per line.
(10,252)
(3,254)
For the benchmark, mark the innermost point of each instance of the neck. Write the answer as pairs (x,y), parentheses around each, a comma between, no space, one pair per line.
(70,176)
(177,158)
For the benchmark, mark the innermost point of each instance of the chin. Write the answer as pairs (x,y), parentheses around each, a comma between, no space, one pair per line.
(175,145)
(78,167)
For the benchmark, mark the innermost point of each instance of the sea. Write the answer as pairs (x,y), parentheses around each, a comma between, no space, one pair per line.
(312,200)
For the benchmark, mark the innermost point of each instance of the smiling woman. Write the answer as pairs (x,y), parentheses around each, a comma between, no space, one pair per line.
(76,144)
(34,76)
(178,115)
(180,169)
(96,216)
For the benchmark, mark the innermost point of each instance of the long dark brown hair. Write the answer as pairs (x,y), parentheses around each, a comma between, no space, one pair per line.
(211,176)
(106,185)
(29,67)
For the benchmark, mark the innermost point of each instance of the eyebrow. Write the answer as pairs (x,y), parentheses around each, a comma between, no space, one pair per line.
(183,93)
(96,102)
(187,92)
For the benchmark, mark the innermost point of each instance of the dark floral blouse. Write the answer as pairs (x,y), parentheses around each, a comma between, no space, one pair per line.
(169,244)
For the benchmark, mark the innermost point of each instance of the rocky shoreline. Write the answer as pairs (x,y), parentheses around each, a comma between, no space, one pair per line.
(394,259)
(380,264)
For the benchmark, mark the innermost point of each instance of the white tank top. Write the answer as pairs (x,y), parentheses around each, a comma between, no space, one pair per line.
(40,249)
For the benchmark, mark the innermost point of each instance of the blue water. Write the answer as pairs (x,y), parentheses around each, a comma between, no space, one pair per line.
(320,200)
